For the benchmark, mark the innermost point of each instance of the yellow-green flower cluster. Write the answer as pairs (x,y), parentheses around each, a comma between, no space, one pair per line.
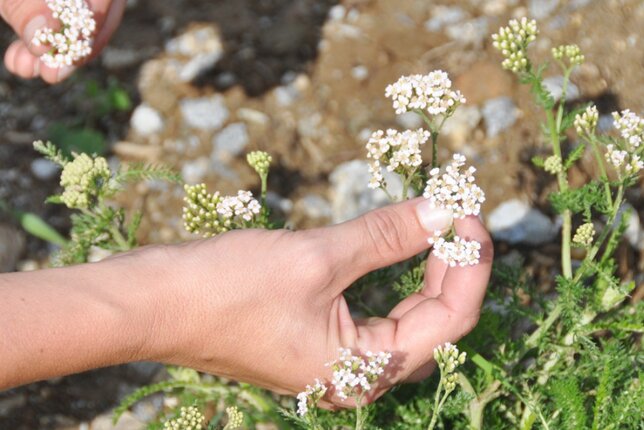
(553,165)
(200,212)
(448,359)
(586,122)
(571,54)
(189,418)
(260,161)
(584,235)
(512,41)
(235,418)
(83,179)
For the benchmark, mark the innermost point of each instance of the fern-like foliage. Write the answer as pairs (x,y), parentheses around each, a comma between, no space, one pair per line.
(141,171)
(569,400)
(51,152)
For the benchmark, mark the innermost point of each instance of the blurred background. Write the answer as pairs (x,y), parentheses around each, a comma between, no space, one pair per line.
(197,84)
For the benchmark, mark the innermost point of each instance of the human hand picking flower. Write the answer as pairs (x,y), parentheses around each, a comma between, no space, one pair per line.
(36,22)
(265,307)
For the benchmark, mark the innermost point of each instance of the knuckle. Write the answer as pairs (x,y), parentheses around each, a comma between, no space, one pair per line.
(315,260)
(385,230)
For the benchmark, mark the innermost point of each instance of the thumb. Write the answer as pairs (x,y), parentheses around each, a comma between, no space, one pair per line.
(25,17)
(386,236)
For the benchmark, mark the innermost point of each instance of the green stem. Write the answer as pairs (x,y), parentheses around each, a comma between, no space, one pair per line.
(436,410)
(434,149)
(119,239)
(602,169)
(566,259)
(360,415)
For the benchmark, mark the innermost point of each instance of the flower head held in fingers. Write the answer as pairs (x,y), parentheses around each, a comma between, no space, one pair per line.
(354,375)
(396,152)
(310,397)
(453,188)
(73,42)
(431,94)
(457,252)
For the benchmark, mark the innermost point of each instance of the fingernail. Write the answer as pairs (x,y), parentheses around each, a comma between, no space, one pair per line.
(433,219)
(35,24)
(64,72)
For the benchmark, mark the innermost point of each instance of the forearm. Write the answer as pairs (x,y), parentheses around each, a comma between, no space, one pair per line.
(61,321)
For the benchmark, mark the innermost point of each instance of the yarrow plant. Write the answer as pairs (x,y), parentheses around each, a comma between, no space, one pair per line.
(448,358)
(189,418)
(73,41)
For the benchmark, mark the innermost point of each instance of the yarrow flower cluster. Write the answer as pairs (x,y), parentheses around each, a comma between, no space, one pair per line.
(260,161)
(448,359)
(458,252)
(189,418)
(212,214)
(571,53)
(398,152)
(454,189)
(626,158)
(584,235)
(586,122)
(83,179)
(512,41)
(235,418)
(354,375)
(553,165)
(310,397)
(74,41)
(242,206)
(630,127)
(432,93)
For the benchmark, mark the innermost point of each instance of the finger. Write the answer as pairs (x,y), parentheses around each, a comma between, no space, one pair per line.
(26,17)
(434,275)
(463,288)
(23,63)
(108,17)
(455,311)
(384,236)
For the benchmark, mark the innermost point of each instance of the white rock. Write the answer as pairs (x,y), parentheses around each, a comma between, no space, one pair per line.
(230,142)
(126,422)
(472,32)
(554,85)
(633,232)
(540,9)
(337,13)
(459,126)
(205,113)
(409,120)
(500,114)
(315,206)
(350,196)
(360,73)
(443,16)
(146,120)
(44,169)
(515,221)
(193,172)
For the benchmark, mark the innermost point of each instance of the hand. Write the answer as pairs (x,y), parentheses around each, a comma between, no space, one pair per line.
(27,16)
(266,307)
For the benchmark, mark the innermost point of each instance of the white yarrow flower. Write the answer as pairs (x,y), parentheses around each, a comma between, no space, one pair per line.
(310,397)
(243,206)
(431,93)
(74,42)
(459,252)
(354,375)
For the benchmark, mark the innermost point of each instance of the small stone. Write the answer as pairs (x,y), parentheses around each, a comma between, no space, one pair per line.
(633,233)
(515,221)
(230,142)
(127,422)
(500,114)
(253,116)
(12,402)
(472,32)
(146,120)
(148,409)
(44,169)
(275,201)
(337,13)
(540,9)
(408,120)
(460,125)
(193,172)
(360,73)
(205,113)
(443,16)
(554,85)
(350,196)
(315,206)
